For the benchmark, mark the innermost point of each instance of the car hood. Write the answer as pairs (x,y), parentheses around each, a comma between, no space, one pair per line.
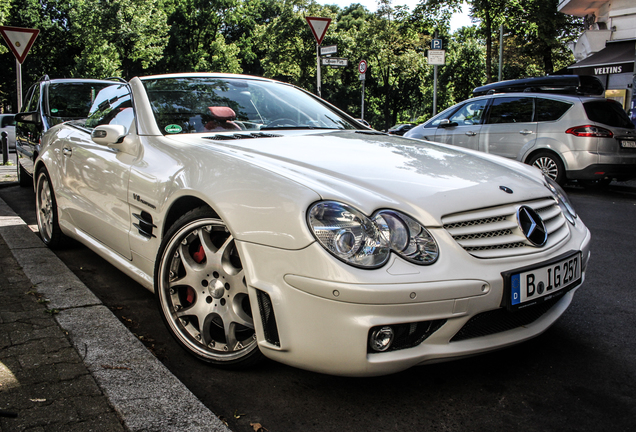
(370,172)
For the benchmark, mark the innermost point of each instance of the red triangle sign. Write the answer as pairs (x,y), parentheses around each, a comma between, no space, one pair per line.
(318,27)
(20,40)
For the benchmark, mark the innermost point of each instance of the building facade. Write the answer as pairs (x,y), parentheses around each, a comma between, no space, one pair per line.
(607,47)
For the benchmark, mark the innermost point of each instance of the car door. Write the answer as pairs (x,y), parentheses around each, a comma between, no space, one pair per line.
(96,180)
(463,126)
(509,126)
(27,135)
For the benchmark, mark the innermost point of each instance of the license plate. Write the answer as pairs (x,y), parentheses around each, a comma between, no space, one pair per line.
(628,144)
(527,287)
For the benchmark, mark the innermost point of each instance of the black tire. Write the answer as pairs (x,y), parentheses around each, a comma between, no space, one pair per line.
(24,179)
(46,212)
(202,294)
(550,164)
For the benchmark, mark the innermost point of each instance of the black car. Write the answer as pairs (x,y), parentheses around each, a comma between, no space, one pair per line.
(48,103)
(400,129)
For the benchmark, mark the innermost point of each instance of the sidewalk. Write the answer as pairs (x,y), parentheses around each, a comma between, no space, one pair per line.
(66,362)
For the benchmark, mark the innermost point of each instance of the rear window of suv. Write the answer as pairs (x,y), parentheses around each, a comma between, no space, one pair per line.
(608,112)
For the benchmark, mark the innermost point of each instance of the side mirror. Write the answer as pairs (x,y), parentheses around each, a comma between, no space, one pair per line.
(108,134)
(27,117)
(446,123)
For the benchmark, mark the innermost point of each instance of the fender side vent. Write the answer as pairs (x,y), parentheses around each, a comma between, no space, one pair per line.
(267,317)
(145,225)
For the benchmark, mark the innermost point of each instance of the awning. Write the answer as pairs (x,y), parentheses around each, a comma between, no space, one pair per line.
(616,57)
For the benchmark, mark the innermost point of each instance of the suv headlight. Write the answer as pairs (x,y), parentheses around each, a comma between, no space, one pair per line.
(367,242)
(562,199)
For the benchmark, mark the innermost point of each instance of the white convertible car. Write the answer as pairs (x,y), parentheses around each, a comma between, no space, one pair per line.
(269,223)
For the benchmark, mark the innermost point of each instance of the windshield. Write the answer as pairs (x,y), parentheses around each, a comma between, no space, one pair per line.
(204,104)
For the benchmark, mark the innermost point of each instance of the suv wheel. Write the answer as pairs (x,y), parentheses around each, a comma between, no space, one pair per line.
(550,164)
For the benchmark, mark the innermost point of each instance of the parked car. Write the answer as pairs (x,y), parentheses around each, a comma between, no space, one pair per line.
(399,129)
(50,102)
(568,137)
(268,223)
(7,124)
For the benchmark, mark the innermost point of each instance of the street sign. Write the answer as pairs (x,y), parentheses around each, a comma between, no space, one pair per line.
(362,67)
(20,40)
(318,27)
(329,49)
(436,44)
(362,77)
(436,57)
(335,62)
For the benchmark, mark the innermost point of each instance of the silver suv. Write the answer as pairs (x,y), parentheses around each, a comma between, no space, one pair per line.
(568,137)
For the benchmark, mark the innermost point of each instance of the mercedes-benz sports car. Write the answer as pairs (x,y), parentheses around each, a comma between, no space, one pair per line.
(269,223)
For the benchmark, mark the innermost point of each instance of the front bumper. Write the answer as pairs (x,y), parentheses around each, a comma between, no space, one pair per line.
(324,309)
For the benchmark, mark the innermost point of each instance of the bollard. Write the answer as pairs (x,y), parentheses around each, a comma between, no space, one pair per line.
(5,148)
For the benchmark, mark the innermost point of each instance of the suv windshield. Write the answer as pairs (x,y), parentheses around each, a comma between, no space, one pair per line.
(608,112)
(203,104)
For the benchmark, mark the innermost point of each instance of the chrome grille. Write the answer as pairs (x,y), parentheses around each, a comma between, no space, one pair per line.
(494,232)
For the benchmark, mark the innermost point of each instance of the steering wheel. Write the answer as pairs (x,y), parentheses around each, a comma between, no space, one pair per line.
(282,122)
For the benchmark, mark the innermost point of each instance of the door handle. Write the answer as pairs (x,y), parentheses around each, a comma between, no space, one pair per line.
(471,133)
(525,132)
(67,151)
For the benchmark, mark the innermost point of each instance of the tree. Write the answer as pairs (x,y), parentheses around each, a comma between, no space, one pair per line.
(119,37)
(491,13)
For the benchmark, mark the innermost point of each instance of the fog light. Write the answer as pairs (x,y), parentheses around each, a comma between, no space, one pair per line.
(381,339)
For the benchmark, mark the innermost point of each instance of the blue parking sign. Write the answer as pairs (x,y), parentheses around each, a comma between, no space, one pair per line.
(436,44)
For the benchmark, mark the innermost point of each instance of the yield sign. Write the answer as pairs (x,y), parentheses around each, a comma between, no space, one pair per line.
(318,27)
(20,40)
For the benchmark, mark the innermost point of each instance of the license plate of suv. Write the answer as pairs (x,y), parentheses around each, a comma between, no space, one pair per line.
(531,286)
(628,144)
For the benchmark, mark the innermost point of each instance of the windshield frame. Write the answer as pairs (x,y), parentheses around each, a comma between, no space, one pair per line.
(200,104)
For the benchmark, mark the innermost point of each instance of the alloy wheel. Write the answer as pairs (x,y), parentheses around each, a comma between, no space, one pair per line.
(203,293)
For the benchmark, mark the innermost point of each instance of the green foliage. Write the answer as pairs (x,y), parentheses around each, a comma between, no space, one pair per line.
(118,37)
(101,38)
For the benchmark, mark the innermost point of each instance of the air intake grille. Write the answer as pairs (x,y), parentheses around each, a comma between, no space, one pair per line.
(494,232)
(237,136)
(501,320)
(267,317)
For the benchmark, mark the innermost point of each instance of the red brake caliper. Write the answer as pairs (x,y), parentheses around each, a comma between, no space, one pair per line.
(198,256)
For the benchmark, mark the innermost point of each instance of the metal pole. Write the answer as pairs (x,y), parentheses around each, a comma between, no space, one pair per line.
(318,70)
(501,29)
(362,114)
(435,85)
(434,89)
(19,79)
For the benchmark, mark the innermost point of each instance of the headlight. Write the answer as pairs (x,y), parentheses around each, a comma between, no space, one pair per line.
(366,242)
(562,199)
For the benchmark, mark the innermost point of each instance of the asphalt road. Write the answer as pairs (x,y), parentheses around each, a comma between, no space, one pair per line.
(578,376)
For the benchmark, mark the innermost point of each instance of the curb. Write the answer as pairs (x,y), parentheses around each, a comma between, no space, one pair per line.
(143,392)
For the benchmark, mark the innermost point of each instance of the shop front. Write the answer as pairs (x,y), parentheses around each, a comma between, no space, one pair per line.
(614,66)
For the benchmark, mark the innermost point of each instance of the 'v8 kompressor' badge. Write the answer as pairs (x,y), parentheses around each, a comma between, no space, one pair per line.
(532,226)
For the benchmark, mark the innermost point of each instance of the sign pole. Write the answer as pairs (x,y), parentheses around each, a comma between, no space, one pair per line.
(18,68)
(318,90)
(20,40)
(362,68)
(318,27)
(362,113)
(435,85)
(501,30)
